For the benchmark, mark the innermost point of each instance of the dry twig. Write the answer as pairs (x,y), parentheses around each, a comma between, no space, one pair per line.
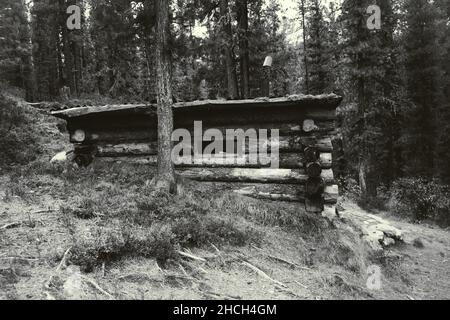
(263,274)
(96,286)
(191,256)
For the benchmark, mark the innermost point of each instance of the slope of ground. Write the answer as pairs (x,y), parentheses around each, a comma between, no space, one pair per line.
(45,210)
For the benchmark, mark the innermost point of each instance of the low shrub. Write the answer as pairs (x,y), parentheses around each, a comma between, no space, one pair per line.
(18,141)
(149,224)
(421,199)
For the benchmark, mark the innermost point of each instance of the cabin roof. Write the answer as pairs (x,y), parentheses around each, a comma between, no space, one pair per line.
(324,101)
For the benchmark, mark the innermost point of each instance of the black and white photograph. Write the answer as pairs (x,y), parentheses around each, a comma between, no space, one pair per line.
(243,153)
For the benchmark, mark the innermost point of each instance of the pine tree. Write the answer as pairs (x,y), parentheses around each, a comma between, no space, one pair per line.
(46,48)
(115,44)
(423,85)
(368,55)
(244,58)
(318,51)
(443,141)
(15,46)
(165,179)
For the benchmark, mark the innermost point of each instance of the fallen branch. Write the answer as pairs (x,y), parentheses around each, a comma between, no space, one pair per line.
(63,260)
(191,256)
(11,225)
(292,264)
(183,270)
(96,286)
(19,258)
(263,274)
(215,248)
(221,296)
(300,284)
(44,211)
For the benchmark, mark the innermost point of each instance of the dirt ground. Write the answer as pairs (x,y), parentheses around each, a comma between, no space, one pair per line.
(34,240)
(30,253)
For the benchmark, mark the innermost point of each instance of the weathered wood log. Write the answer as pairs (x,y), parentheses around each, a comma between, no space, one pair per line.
(124,149)
(313,169)
(309,126)
(270,196)
(322,144)
(78,136)
(284,145)
(315,186)
(133,132)
(312,154)
(280,192)
(331,194)
(116,136)
(286,161)
(283,176)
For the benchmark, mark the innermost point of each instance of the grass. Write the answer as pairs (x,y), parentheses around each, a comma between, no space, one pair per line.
(112,214)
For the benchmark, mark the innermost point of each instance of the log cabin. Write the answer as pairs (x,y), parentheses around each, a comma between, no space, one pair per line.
(305,125)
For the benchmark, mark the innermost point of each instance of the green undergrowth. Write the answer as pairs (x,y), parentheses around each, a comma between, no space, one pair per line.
(112,212)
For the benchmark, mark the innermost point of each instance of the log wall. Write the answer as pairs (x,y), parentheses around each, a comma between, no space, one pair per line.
(305,124)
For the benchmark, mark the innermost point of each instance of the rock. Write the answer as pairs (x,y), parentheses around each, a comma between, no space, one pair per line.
(60,157)
(63,156)
(418,243)
(376,231)
(73,286)
(388,242)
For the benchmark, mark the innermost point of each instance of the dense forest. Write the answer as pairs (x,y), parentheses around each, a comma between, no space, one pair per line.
(394,123)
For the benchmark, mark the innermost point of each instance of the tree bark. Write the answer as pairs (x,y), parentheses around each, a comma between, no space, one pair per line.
(305,47)
(243,47)
(165,179)
(283,176)
(227,41)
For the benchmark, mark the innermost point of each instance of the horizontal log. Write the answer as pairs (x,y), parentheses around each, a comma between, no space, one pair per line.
(116,136)
(284,145)
(120,135)
(286,161)
(127,149)
(150,134)
(289,193)
(284,176)
(323,144)
(331,194)
(313,169)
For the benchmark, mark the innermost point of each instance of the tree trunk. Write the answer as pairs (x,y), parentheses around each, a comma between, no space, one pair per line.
(305,48)
(243,47)
(227,41)
(165,179)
